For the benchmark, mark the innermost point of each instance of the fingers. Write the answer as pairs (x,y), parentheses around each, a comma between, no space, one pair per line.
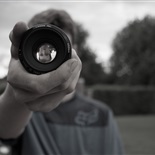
(66,71)
(23,95)
(17,32)
(64,75)
(41,84)
(18,76)
(70,84)
(15,37)
(74,55)
(36,90)
(46,103)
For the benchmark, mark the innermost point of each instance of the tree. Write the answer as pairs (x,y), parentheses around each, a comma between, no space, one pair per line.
(92,71)
(133,59)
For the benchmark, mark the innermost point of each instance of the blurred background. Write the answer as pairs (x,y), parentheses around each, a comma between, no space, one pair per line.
(116,41)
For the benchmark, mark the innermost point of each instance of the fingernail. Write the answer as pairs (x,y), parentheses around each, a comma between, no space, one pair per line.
(74,65)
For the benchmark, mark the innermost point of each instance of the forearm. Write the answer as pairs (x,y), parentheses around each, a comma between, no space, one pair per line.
(14,116)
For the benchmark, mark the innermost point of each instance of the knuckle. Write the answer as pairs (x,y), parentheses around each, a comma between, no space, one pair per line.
(64,77)
(80,64)
(70,89)
(10,36)
(63,86)
(12,49)
(10,80)
(63,74)
(46,108)
(16,96)
(32,84)
(38,90)
(35,87)
(31,106)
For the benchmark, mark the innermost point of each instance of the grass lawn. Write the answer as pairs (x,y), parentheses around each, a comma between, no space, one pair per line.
(138,134)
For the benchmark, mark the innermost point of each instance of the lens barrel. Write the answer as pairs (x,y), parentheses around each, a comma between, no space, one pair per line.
(44,48)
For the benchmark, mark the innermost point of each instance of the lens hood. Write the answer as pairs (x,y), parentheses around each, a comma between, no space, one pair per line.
(44,48)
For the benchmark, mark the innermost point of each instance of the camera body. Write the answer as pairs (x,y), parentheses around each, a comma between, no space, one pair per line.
(44,48)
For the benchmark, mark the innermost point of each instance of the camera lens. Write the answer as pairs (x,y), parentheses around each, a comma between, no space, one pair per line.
(44,48)
(46,53)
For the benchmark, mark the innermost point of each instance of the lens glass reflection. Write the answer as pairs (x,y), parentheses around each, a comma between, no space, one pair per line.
(46,53)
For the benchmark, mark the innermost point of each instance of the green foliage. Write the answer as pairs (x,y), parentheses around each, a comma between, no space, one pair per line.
(126,100)
(133,60)
(92,71)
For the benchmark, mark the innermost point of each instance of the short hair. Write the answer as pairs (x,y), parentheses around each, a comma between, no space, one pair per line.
(59,18)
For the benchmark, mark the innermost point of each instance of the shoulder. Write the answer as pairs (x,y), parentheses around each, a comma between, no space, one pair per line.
(86,101)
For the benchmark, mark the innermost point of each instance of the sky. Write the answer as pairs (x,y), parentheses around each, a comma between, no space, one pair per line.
(102,19)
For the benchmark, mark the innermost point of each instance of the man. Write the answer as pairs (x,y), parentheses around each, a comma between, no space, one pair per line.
(45,53)
(78,126)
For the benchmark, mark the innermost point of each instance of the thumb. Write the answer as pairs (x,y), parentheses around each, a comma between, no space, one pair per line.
(15,37)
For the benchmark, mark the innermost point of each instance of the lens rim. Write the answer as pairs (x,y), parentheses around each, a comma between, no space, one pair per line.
(52,58)
(40,34)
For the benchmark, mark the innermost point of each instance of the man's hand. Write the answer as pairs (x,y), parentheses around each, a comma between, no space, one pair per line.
(40,92)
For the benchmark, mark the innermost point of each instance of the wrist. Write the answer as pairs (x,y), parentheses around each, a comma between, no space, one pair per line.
(8,98)
(14,116)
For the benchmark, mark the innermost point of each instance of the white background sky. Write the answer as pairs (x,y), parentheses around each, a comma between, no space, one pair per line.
(102,20)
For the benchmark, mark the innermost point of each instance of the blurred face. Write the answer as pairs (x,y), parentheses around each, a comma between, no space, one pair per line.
(46,53)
